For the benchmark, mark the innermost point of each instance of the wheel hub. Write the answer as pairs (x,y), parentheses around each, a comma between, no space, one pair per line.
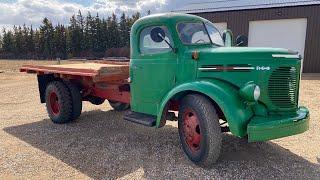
(191,128)
(54,103)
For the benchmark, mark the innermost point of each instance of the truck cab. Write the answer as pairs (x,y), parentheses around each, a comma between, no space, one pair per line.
(182,68)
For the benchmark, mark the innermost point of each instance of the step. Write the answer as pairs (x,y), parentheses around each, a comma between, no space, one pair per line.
(140,118)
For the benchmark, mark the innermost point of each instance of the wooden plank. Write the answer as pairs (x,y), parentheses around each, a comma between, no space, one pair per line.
(98,71)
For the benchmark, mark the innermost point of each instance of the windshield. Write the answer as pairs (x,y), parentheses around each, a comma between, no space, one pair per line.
(199,33)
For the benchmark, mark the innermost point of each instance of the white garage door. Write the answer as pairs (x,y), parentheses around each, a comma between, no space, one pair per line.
(284,33)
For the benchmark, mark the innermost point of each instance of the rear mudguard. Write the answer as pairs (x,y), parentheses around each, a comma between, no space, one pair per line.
(236,112)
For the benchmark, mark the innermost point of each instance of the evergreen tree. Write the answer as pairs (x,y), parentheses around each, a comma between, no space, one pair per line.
(30,43)
(60,42)
(0,43)
(88,36)
(17,41)
(98,47)
(7,42)
(81,25)
(74,33)
(124,31)
(114,32)
(46,36)
(38,44)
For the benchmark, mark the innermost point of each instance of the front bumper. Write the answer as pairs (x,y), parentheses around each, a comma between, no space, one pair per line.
(267,128)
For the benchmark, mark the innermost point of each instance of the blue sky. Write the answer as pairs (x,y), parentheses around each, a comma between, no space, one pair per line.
(17,12)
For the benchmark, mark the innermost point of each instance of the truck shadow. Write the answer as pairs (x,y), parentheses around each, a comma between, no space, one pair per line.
(100,144)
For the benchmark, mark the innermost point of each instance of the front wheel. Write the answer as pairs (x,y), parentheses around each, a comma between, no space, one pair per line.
(199,130)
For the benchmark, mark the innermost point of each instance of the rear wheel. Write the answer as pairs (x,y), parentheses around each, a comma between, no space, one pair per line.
(199,130)
(59,102)
(119,106)
(76,99)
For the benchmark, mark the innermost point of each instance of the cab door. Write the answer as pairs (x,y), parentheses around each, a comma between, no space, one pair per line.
(152,72)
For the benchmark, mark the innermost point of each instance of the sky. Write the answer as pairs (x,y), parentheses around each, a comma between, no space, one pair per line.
(31,12)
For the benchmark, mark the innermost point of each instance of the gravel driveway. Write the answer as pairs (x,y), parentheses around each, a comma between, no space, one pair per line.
(100,145)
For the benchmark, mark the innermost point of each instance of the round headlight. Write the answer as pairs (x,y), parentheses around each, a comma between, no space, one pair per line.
(250,92)
(256,93)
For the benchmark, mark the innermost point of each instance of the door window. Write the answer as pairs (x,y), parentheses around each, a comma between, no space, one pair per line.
(148,46)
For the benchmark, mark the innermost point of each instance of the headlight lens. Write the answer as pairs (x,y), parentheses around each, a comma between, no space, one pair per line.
(256,93)
(250,92)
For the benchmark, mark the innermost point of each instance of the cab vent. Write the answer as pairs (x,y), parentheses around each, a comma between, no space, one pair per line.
(283,87)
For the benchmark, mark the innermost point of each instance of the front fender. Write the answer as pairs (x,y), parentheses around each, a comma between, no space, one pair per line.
(237,113)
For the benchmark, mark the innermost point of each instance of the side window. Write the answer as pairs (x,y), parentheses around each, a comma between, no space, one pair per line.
(148,46)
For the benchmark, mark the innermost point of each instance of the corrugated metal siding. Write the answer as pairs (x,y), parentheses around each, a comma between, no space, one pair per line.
(230,5)
(238,22)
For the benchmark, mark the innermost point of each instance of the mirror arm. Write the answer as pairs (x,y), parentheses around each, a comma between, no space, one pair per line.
(173,49)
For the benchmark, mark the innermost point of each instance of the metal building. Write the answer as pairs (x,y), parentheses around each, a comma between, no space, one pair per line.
(291,24)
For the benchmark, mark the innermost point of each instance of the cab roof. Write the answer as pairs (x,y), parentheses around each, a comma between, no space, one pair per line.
(166,18)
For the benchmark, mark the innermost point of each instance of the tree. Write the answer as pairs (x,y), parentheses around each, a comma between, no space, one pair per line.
(60,42)
(30,44)
(74,39)
(88,36)
(17,43)
(81,26)
(7,42)
(46,38)
(124,30)
(114,34)
(1,43)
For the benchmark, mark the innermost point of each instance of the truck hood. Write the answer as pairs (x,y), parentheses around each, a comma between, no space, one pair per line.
(240,65)
(243,52)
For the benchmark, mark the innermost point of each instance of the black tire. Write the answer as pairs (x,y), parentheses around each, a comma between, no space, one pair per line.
(119,106)
(95,100)
(76,99)
(204,143)
(59,102)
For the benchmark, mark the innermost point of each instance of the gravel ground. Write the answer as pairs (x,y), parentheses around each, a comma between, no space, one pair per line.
(100,145)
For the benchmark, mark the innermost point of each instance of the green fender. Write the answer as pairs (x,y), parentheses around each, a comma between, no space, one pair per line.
(237,113)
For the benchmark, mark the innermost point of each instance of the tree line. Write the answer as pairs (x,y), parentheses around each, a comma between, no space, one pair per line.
(85,36)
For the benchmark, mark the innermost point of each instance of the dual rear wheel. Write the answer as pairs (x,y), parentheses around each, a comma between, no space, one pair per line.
(64,102)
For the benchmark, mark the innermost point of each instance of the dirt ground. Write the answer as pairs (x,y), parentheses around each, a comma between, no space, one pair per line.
(100,145)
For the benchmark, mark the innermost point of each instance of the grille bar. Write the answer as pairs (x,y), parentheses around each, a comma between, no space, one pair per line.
(283,87)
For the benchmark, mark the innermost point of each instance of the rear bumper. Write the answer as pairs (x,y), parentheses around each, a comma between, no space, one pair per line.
(267,128)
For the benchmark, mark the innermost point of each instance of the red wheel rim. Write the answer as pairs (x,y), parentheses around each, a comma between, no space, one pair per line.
(191,129)
(54,103)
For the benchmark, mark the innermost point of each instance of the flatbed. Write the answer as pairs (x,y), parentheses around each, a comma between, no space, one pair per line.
(99,71)
(98,80)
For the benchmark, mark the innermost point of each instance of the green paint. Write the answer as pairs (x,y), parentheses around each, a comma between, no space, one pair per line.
(159,77)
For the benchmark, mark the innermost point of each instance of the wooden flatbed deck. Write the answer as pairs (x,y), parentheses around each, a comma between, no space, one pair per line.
(99,71)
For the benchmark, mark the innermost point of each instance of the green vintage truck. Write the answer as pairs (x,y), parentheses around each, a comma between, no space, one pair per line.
(182,68)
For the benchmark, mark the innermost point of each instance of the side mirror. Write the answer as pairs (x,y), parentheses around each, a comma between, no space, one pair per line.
(242,41)
(157,34)
(227,37)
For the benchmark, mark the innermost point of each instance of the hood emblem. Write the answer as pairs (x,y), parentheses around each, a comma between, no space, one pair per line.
(263,68)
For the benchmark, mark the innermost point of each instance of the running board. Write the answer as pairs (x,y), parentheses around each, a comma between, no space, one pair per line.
(140,118)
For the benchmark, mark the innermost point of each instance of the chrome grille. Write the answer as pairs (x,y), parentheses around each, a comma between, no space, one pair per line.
(283,87)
